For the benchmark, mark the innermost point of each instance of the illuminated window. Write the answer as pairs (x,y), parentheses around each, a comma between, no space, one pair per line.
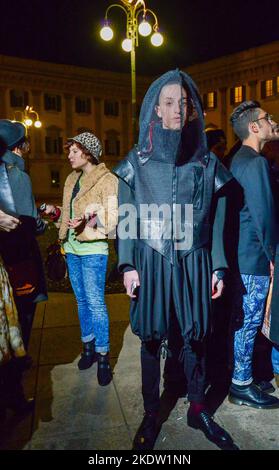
(238,94)
(210,100)
(268,87)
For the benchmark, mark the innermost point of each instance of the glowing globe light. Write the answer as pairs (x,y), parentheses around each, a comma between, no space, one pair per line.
(38,124)
(157,39)
(106,33)
(127,45)
(145,28)
(28,122)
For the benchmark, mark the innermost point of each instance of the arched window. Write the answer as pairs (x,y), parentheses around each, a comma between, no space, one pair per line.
(80,130)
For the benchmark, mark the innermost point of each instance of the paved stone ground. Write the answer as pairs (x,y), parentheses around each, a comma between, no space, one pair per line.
(73,412)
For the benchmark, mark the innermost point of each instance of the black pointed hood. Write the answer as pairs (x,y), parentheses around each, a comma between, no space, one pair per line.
(191,138)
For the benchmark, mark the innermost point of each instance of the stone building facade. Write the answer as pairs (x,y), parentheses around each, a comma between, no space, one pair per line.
(72,99)
(252,74)
(69,100)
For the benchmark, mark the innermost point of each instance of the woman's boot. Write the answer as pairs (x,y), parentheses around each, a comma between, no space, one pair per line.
(104,373)
(88,355)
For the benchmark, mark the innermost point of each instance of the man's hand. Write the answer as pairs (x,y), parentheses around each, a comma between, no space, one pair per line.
(8,222)
(217,287)
(131,278)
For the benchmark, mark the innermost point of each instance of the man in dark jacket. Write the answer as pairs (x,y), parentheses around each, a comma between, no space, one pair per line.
(256,248)
(19,249)
(171,184)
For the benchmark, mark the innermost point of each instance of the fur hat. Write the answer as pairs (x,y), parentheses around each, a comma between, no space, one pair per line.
(90,142)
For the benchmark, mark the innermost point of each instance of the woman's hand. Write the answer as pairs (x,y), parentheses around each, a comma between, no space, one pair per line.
(50,209)
(76,222)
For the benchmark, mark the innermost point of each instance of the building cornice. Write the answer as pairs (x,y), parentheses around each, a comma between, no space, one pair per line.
(40,75)
(258,63)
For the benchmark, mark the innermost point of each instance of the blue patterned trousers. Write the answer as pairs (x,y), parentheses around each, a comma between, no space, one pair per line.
(87,275)
(248,312)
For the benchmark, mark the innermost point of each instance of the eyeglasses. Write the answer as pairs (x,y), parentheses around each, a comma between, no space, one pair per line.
(267,117)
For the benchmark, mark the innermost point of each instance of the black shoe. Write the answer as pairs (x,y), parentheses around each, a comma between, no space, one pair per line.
(104,373)
(88,356)
(265,386)
(147,433)
(212,430)
(252,395)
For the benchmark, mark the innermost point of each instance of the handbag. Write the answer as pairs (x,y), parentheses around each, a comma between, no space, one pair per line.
(56,265)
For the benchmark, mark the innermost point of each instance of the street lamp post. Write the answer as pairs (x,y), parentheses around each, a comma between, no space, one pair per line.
(133,9)
(29,118)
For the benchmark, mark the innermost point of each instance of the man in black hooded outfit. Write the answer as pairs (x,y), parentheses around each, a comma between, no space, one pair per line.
(174,264)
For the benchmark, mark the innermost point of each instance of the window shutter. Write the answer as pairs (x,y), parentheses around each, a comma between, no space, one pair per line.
(205,100)
(275,90)
(12,98)
(46,102)
(88,107)
(60,145)
(59,106)
(25,98)
(48,144)
(77,105)
(232,95)
(118,148)
(263,89)
(243,92)
(215,99)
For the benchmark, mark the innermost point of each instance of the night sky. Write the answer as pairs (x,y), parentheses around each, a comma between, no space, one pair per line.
(67,31)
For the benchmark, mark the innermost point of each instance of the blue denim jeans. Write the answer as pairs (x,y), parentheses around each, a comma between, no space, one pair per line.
(249,304)
(87,275)
(275,358)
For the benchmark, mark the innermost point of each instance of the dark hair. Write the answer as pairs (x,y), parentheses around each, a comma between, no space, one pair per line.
(214,136)
(91,157)
(24,145)
(246,112)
